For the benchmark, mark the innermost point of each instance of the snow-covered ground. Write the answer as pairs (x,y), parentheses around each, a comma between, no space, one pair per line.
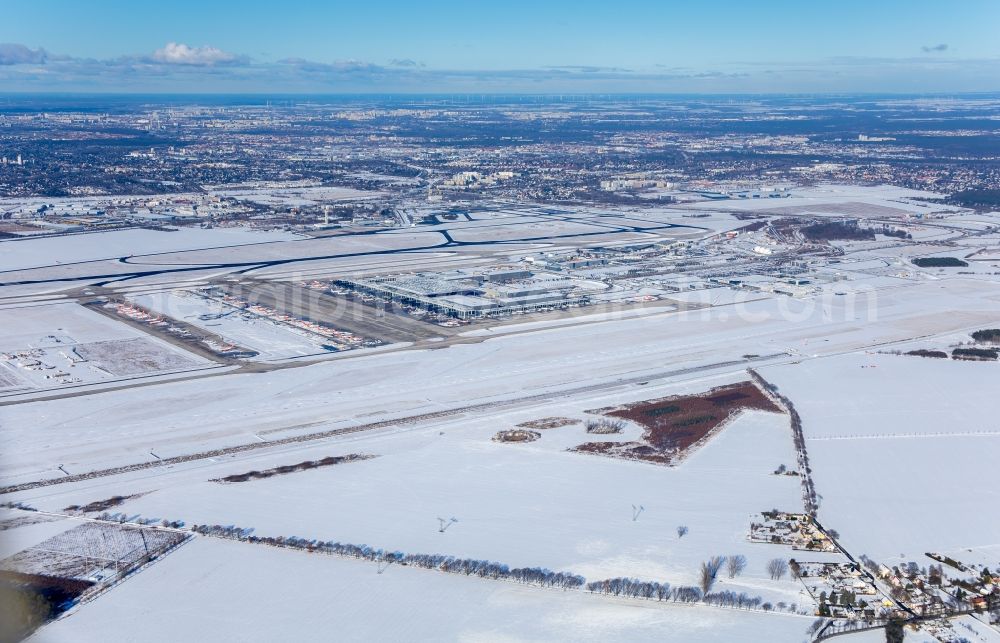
(26,325)
(294,196)
(902,443)
(522,504)
(819,199)
(226,591)
(901,447)
(116,428)
(30,253)
(52,345)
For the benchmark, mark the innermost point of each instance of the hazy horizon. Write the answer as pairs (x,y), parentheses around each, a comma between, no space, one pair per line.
(636,46)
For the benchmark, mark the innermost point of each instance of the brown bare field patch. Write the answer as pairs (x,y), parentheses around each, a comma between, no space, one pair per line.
(674,426)
(548,423)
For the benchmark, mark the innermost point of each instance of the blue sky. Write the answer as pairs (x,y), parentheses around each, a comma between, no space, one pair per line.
(512,46)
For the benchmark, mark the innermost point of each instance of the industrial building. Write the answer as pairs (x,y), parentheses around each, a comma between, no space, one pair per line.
(467,295)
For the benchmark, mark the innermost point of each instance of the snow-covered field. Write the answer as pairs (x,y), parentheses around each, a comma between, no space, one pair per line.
(227,587)
(904,443)
(55,345)
(26,325)
(837,200)
(522,504)
(109,429)
(294,196)
(30,253)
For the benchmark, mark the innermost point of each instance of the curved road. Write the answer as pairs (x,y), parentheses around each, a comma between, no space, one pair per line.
(244,266)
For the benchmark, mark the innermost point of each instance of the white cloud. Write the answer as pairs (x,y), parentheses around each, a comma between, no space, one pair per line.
(182,67)
(405,62)
(338,67)
(17,54)
(180,54)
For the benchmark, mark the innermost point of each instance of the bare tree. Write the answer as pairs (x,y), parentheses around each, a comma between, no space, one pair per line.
(777,568)
(706,579)
(715,564)
(709,572)
(737,563)
(681,531)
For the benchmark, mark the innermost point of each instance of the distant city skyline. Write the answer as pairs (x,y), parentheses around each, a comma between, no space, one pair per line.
(514,47)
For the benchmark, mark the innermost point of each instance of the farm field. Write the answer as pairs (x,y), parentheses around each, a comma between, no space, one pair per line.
(905,423)
(672,426)
(349,598)
(573,513)
(90,550)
